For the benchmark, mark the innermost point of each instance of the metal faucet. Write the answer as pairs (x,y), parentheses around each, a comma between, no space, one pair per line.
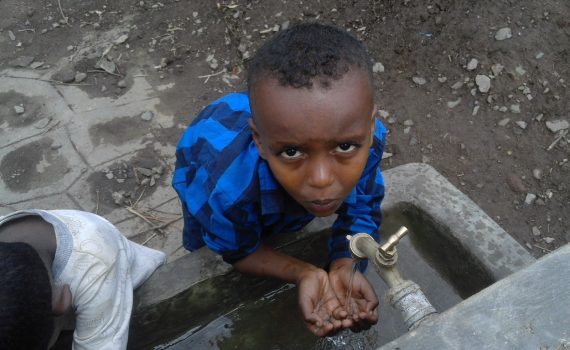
(404,295)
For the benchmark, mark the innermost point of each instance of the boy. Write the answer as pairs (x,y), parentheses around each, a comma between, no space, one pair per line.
(302,142)
(60,268)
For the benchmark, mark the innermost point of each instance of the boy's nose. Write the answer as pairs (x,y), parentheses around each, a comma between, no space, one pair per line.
(320,174)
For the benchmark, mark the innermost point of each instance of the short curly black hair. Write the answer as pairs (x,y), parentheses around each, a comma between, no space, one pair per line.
(26,318)
(308,51)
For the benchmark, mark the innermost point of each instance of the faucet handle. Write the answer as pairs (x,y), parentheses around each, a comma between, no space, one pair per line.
(390,246)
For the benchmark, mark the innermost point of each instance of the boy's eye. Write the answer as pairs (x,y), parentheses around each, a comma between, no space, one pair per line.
(345,147)
(291,153)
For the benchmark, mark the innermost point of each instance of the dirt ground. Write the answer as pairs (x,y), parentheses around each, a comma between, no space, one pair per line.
(501,147)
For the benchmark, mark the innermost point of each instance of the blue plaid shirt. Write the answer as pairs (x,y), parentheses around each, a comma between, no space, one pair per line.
(230,198)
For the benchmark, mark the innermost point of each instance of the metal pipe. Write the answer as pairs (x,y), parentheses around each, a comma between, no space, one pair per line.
(404,295)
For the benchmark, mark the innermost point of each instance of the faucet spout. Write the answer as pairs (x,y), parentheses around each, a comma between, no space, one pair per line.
(403,295)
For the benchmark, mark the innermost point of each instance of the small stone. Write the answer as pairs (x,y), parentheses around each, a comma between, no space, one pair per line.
(457,85)
(109,175)
(530,198)
(65,75)
(419,80)
(535,231)
(80,76)
(19,109)
(413,141)
(122,83)
(520,70)
(475,110)
(515,108)
(503,34)
(521,124)
(103,88)
(378,67)
(442,79)
(409,122)
(152,181)
(539,117)
(384,114)
(70,48)
(107,65)
(11,35)
(503,109)
(121,39)
(557,125)
(148,115)
(117,198)
(548,240)
(472,65)
(407,130)
(453,104)
(539,55)
(497,69)
(516,184)
(392,120)
(285,25)
(36,65)
(158,170)
(528,246)
(537,173)
(483,83)
(144,171)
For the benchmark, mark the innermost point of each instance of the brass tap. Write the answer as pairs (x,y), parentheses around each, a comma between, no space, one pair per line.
(387,252)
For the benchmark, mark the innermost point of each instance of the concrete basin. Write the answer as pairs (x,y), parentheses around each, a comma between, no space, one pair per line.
(453,251)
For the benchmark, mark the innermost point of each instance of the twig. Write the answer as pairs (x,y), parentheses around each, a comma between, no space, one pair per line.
(157,228)
(51,127)
(208,76)
(97,205)
(545,249)
(148,239)
(140,196)
(560,137)
(103,71)
(61,10)
(153,227)
(46,80)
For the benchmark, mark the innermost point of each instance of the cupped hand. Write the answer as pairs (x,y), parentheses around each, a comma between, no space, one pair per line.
(362,306)
(322,311)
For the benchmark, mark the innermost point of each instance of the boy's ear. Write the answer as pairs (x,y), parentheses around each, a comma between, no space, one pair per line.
(256,137)
(60,300)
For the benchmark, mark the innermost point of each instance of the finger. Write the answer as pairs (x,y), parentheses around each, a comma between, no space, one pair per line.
(323,330)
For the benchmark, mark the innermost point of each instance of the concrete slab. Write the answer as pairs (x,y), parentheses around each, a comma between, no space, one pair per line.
(94,190)
(43,107)
(526,310)
(39,166)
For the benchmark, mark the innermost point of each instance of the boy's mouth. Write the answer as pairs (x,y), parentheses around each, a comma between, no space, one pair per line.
(323,206)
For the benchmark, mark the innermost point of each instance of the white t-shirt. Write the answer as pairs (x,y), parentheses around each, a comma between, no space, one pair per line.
(102,268)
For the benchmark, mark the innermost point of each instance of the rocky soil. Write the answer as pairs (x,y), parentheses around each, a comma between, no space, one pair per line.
(477,89)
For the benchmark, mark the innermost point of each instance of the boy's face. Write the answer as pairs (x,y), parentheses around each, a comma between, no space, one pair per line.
(316,141)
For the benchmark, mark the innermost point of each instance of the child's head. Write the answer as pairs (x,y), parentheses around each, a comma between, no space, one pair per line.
(313,112)
(26,318)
